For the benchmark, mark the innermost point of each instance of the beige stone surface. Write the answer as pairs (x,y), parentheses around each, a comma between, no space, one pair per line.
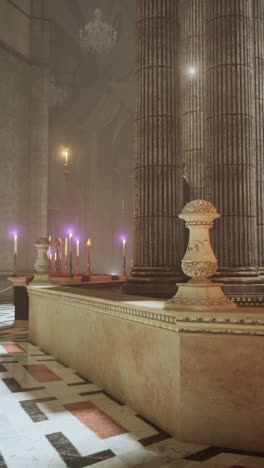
(197,375)
(222,380)
(15,26)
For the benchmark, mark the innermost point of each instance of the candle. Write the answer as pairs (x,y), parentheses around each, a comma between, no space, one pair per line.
(124,247)
(50,256)
(77,248)
(15,243)
(70,242)
(55,256)
(66,246)
(66,154)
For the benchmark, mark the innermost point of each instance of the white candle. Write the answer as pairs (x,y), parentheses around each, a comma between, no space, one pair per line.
(15,243)
(124,247)
(66,153)
(77,248)
(66,246)
(70,242)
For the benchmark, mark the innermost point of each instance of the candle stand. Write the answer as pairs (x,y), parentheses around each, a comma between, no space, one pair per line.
(58,245)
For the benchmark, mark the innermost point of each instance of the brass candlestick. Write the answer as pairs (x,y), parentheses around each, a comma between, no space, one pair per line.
(89,246)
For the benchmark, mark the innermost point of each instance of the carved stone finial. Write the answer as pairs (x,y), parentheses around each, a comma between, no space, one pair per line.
(199,263)
(42,265)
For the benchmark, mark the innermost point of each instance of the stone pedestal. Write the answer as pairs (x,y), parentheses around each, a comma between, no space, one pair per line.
(158,236)
(42,267)
(199,263)
(20,284)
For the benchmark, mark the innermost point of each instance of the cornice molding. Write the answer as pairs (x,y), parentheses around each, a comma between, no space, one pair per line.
(238,322)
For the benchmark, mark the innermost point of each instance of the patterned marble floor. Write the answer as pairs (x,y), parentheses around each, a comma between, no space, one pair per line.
(51,417)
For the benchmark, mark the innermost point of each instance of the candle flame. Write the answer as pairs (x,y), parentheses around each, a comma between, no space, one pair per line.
(70,235)
(89,243)
(66,154)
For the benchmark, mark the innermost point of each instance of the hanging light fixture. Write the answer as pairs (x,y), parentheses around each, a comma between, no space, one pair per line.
(97,37)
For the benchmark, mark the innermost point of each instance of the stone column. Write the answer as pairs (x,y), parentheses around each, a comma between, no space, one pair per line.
(258,28)
(192,22)
(158,235)
(38,144)
(231,161)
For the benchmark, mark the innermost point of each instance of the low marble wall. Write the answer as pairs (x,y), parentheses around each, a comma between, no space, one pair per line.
(197,376)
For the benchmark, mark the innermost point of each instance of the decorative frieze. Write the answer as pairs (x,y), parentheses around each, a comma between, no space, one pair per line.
(240,321)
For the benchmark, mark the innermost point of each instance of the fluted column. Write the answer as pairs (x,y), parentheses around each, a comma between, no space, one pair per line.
(258,17)
(38,143)
(192,22)
(158,234)
(229,123)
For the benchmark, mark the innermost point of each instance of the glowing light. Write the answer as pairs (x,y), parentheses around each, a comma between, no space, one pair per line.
(191,70)
(66,246)
(89,243)
(77,248)
(124,247)
(70,243)
(65,153)
(15,243)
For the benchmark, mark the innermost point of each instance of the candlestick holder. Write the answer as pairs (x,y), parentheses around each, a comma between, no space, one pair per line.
(77,265)
(66,264)
(89,245)
(15,265)
(124,273)
(66,169)
(70,265)
(58,245)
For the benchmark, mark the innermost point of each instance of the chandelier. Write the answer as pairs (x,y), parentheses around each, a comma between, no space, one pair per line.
(97,36)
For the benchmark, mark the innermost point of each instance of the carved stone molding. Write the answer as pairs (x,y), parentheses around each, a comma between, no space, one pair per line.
(239,321)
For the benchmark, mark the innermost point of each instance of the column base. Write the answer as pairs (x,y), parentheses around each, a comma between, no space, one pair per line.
(245,276)
(200,295)
(153,282)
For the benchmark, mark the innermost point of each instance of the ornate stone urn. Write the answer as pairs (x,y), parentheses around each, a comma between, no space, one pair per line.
(199,263)
(42,265)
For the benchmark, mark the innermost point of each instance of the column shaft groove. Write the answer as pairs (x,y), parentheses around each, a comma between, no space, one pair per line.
(231,163)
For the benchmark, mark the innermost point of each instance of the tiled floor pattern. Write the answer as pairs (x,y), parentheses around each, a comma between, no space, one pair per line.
(51,417)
